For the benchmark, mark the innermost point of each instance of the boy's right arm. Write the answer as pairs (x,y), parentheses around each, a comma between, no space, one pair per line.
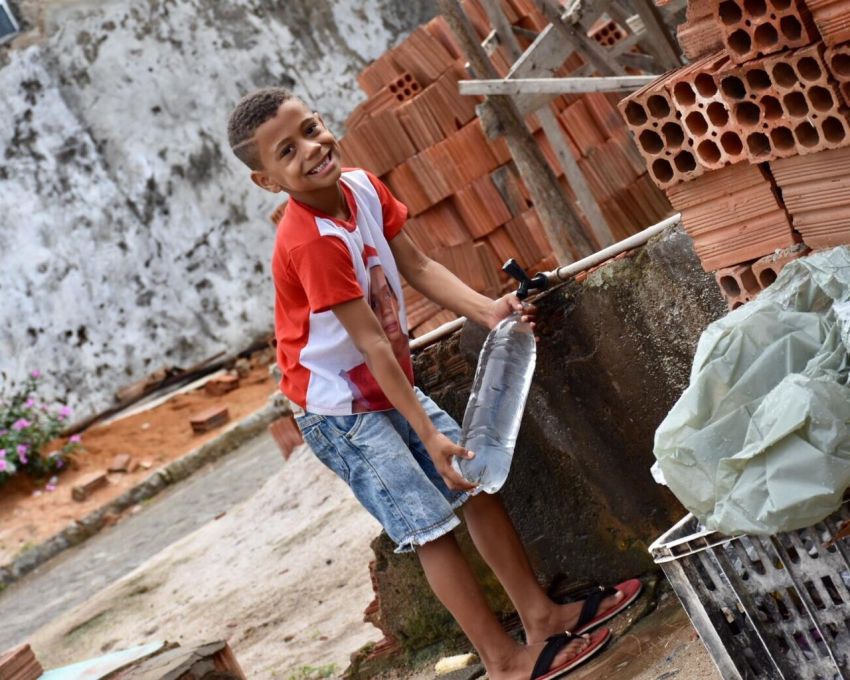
(367,335)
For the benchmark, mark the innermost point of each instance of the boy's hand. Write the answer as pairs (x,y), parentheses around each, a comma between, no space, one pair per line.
(442,450)
(507,305)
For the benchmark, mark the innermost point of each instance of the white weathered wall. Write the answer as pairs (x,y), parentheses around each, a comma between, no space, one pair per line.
(130,239)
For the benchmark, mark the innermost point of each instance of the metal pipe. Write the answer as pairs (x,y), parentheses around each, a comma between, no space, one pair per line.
(559,275)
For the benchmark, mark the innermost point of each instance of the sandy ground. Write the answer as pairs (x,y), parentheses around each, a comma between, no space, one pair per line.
(282,577)
(156,437)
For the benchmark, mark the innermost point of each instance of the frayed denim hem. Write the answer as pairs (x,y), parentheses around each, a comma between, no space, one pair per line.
(441,529)
(410,543)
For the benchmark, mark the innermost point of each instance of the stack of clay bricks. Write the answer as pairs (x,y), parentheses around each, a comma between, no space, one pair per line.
(20,664)
(468,207)
(751,141)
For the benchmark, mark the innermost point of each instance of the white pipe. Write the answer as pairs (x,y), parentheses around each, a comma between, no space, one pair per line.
(437,334)
(560,274)
(568,270)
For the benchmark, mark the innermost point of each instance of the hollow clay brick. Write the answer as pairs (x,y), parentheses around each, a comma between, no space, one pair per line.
(733,215)
(706,113)
(816,193)
(785,105)
(700,34)
(660,137)
(754,28)
(766,270)
(832,18)
(838,62)
(738,284)
(607,32)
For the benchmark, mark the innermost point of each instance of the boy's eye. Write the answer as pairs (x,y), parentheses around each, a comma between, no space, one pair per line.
(286,150)
(312,127)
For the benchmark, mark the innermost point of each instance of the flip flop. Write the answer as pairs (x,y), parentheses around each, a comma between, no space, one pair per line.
(590,616)
(555,644)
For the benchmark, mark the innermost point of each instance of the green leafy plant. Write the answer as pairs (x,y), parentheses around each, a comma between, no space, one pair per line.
(27,426)
(313,672)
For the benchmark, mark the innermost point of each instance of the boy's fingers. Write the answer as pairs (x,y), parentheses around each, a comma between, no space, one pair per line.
(457,483)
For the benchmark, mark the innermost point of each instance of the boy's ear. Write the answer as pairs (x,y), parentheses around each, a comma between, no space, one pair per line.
(262,180)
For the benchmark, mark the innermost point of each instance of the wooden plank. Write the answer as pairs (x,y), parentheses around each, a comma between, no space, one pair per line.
(575,177)
(502,27)
(522,86)
(659,42)
(588,48)
(549,50)
(558,216)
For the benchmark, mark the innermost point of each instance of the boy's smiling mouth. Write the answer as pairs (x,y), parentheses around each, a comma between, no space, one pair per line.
(324,165)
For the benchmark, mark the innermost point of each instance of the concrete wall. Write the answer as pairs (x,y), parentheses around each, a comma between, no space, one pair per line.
(129,237)
(614,355)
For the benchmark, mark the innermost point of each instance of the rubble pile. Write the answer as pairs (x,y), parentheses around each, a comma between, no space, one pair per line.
(750,141)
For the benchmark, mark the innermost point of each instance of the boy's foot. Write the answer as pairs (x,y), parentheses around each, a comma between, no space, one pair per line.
(549,659)
(584,615)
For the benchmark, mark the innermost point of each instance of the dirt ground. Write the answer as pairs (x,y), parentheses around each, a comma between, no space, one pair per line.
(283,577)
(30,515)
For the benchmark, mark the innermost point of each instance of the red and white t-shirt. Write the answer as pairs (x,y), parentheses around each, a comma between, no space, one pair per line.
(320,262)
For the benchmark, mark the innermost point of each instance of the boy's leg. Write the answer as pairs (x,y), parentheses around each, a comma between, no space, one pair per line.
(496,539)
(454,584)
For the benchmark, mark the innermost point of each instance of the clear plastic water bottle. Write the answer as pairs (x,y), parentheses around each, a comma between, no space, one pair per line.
(497,402)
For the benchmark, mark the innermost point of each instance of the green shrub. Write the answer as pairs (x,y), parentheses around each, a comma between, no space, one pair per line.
(27,426)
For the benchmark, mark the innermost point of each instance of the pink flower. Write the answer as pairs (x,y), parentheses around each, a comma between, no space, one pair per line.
(2,453)
(35,374)
(22,454)
(2,465)
(29,403)
(75,439)
(50,488)
(21,424)
(65,411)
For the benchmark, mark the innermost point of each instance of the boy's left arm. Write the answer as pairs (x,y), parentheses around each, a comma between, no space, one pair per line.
(440,285)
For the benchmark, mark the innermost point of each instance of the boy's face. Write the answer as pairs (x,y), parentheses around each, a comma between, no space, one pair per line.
(299,154)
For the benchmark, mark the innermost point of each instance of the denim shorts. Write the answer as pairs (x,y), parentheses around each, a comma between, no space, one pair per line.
(387,467)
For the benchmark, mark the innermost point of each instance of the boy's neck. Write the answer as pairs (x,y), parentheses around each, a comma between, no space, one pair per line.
(330,201)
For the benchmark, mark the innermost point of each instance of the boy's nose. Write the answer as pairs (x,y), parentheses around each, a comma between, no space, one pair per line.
(312,149)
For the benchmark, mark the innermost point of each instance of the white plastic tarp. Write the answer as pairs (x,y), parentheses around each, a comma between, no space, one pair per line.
(760,440)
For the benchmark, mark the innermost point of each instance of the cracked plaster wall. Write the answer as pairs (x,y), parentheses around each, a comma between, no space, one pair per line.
(130,239)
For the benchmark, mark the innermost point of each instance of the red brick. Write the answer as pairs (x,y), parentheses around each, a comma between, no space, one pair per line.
(767,269)
(221,385)
(19,663)
(816,193)
(737,284)
(286,434)
(210,419)
(121,462)
(832,18)
(87,485)
(747,36)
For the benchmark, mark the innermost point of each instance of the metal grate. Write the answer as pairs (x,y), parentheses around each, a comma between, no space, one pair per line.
(767,608)
(8,25)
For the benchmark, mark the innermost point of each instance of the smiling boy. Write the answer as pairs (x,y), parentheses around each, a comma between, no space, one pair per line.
(340,323)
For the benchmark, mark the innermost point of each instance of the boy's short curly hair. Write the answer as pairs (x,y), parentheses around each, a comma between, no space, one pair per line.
(250,113)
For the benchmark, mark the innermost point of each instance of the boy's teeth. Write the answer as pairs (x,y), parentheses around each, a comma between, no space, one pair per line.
(320,166)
